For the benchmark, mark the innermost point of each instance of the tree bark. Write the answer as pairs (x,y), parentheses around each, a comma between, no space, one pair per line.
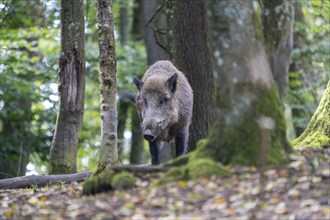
(277,20)
(245,89)
(137,23)
(317,132)
(123,107)
(71,87)
(154,21)
(123,28)
(40,181)
(108,87)
(192,57)
(137,155)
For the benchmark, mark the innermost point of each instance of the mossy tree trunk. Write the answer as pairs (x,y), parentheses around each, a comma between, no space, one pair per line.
(63,152)
(192,57)
(317,133)
(245,89)
(108,87)
(277,20)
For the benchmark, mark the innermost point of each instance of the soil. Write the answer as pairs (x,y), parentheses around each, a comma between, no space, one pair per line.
(298,190)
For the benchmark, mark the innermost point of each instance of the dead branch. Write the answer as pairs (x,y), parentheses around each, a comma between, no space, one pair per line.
(28,181)
(40,181)
(141,168)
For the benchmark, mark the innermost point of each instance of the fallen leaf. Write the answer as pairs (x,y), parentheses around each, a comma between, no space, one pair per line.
(10,213)
(33,200)
(43,198)
(182,183)
(231,211)
(281,208)
(220,201)
(308,202)
(294,192)
(296,164)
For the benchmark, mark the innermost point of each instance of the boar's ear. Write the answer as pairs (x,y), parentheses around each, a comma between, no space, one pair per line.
(171,82)
(137,82)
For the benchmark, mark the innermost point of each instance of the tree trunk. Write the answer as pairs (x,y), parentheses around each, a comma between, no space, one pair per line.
(71,87)
(245,89)
(123,28)
(300,68)
(137,23)
(123,107)
(277,20)
(154,22)
(108,87)
(317,133)
(192,57)
(137,155)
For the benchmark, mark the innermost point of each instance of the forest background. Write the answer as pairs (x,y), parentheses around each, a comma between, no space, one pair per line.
(30,51)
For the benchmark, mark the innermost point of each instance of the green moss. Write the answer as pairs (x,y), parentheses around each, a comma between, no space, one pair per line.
(196,169)
(317,140)
(178,161)
(317,133)
(234,137)
(256,16)
(175,174)
(206,167)
(108,180)
(98,183)
(123,180)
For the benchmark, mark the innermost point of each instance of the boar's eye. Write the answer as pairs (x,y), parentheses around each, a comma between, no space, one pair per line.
(162,101)
(145,101)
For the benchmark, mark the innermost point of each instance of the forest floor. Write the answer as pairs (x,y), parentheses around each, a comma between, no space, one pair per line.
(299,190)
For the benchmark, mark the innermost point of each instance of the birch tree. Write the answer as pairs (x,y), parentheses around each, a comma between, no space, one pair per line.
(108,88)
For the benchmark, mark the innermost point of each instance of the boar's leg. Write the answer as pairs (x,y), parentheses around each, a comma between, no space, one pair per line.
(154,152)
(181,144)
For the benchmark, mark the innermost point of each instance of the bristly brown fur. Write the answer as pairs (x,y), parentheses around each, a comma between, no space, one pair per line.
(164,103)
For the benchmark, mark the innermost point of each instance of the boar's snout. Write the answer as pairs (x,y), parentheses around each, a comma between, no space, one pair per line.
(149,136)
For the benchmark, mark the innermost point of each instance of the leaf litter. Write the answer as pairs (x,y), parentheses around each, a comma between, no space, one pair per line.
(300,190)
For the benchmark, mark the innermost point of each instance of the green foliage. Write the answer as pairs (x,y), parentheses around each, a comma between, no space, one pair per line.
(29,57)
(310,65)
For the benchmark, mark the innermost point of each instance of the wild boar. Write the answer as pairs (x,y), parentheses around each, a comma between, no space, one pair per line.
(164,103)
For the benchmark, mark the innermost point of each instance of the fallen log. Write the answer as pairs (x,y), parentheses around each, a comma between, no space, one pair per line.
(141,168)
(43,180)
(40,181)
